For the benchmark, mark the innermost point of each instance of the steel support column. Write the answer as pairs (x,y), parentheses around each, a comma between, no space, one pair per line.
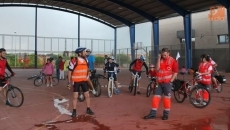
(79,31)
(188,38)
(132,40)
(156,37)
(35,51)
(115,43)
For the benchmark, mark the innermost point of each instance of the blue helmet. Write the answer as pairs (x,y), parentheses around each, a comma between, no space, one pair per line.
(80,49)
(142,58)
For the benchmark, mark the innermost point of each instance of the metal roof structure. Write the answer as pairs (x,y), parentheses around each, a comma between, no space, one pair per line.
(118,13)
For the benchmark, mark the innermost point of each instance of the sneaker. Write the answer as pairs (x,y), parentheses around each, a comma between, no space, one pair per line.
(51,85)
(74,114)
(94,92)
(138,92)
(47,85)
(89,111)
(117,91)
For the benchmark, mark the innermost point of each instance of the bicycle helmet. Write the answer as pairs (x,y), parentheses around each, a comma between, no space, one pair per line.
(80,49)
(142,58)
(88,50)
(152,66)
(111,57)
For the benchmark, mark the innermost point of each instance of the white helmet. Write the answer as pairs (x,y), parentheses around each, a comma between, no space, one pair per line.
(111,57)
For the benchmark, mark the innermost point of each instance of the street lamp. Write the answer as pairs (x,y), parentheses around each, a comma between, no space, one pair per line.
(15,49)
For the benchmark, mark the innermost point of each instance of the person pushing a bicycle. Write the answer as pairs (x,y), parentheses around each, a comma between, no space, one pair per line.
(137,66)
(167,69)
(110,66)
(3,65)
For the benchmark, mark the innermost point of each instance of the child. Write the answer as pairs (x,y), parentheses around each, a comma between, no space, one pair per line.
(48,69)
(61,67)
(152,71)
(183,70)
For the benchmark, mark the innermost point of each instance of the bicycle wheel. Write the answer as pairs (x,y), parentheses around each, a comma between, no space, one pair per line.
(200,97)
(81,96)
(55,81)
(135,87)
(14,96)
(131,88)
(220,88)
(180,96)
(110,89)
(149,90)
(97,88)
(38,81)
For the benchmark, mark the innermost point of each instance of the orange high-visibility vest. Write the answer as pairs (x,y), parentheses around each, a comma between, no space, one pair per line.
(164,74)
(206,79)
(80,72)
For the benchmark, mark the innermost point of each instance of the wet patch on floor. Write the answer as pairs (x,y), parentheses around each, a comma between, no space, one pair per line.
(81,118)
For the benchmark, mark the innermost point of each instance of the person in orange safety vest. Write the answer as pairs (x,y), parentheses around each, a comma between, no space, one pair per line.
(78,77)
(167,69)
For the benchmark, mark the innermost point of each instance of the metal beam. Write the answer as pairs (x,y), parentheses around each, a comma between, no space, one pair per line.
(79,20)
(132,40)
(136,10)
(188,38)
(175,7)
(156,38)
(115,43)
(35,49)
(126,22)
(58,9)
(226,4)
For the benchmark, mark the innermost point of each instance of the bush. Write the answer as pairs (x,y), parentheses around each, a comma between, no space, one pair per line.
(99,60)
(123,59)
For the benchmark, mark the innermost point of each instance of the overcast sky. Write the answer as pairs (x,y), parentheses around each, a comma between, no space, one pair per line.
(53,23)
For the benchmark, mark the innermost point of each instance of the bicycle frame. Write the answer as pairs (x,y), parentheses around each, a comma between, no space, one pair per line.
(136,76)
(111,79)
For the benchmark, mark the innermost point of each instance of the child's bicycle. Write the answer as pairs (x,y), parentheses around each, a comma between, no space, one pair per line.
(135,81)
(39,79)
(14,96)
(111,85)
(152,85)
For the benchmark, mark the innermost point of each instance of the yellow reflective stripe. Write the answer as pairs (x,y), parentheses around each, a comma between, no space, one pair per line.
(80,71)
(78,77)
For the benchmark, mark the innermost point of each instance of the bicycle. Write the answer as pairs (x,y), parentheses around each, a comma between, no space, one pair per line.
(182,88)
(219,81)
(38,81)
(152,85)
(135,81)
(13,92)
(95,81)
(111,84)
(202,94)
(97,87)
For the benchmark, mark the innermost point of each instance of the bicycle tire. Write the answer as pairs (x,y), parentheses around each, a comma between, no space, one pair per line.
(55,81)
(12,92)
(81,96)
(39,80)
(195,90)
(110,90)
(131,88)
(219,90)
(135,87)
(149,90)
(97,87)
(183,98)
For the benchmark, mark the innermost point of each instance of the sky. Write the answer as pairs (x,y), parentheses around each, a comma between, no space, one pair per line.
(52,23)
